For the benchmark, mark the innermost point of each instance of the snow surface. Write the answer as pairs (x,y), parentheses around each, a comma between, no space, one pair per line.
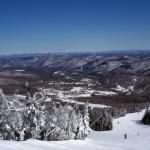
(69,98)
(123,89)
(19,70)
(138,137)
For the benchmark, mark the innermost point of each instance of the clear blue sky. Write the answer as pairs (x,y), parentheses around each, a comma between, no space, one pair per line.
(73,25)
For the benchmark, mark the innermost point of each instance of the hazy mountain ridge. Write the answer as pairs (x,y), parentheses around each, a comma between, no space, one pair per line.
(98,63)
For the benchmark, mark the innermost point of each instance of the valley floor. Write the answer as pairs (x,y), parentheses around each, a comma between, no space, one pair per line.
(138,137)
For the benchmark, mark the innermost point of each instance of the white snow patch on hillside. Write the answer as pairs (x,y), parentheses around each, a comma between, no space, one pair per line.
(20,96)
(105,93)
(69,99)
(123,89)
(76,89)
(81,92)
(19,70)
(138,137)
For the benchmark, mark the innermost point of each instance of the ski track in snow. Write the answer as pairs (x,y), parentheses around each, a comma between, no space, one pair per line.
(138,137)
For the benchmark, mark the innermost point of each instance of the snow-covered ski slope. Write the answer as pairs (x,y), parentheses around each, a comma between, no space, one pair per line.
(138,138)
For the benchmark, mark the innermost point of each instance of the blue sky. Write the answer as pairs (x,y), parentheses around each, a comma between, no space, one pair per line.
(73,25)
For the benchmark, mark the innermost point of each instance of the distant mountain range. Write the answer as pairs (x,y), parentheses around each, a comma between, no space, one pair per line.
(104,62)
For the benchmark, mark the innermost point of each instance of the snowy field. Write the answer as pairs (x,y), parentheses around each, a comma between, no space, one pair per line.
(138,138)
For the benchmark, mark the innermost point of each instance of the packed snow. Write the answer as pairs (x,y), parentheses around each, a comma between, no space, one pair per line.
(138,137)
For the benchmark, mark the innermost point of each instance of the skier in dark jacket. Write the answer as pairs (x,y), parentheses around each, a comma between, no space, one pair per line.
(125,136)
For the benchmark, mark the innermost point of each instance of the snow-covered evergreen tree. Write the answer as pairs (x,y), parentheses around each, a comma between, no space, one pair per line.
(26,117)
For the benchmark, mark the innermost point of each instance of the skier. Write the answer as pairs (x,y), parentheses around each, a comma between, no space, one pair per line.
(125,136)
